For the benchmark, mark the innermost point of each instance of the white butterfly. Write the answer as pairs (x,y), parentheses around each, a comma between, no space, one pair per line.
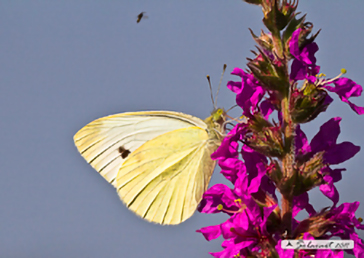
(159,161)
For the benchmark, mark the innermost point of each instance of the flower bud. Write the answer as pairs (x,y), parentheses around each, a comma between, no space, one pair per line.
(307,103)
(264,137)
(308,174)
(277,14)
(267,68)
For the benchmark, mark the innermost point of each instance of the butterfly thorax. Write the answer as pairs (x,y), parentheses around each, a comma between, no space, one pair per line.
(216,125)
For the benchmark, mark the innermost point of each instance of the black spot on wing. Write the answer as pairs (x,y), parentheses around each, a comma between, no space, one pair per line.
(123,152)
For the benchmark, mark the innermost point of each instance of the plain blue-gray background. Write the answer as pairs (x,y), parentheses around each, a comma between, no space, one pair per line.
(66,63)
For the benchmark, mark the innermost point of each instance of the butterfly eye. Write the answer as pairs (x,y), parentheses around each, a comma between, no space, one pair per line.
(123,152)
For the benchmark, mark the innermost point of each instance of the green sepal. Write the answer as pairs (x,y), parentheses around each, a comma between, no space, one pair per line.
(275,20)
(308,175)
(262,41)
(316,225)
(275,174)
(264,137)
(268,81)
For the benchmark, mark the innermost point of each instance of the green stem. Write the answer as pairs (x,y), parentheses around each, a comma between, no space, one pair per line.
(287,166)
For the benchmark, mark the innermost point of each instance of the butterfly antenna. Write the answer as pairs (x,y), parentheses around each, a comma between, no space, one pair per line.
(218,88)
(212,96)
(231,108)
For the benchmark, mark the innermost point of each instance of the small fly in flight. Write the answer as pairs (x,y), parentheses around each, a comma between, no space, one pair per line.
(141,16)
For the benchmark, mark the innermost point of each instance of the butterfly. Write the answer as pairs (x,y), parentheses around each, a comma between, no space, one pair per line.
(158,161)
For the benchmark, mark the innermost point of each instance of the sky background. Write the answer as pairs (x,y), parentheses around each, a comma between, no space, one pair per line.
(65,63)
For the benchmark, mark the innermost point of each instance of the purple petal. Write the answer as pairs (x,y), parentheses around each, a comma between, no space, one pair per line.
(307,54)
(231,168)
(248,92)
(252,158)
(216,195)
(227,149)
(329,253)
(357,109)
(293,44)
(298,71)
(327,135)
(234,86)
(336,174)
(304,64)
(302,202)
(301,142)
(211,232)
(232,249)
(253,209)
(358,246)
(329,190)
(227,226)
(256,182)
(238,71)
(340,152)
(266,108)
(345,89)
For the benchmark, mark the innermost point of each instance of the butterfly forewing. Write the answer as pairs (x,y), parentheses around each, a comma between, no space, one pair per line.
(99,142)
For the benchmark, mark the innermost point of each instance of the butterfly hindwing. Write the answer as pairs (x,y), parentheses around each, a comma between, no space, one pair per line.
(164,179)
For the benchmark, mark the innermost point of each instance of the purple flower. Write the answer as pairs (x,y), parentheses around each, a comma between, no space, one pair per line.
(229,145)
(248,92)
(220,197)
(304,63)
(334,153)
(304,67)
(345,89)
(244,231)
(343,222)
(247,225)
(325,140)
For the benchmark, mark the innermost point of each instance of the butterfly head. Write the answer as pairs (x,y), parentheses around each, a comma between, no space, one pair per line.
(215,122)
(218,116)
